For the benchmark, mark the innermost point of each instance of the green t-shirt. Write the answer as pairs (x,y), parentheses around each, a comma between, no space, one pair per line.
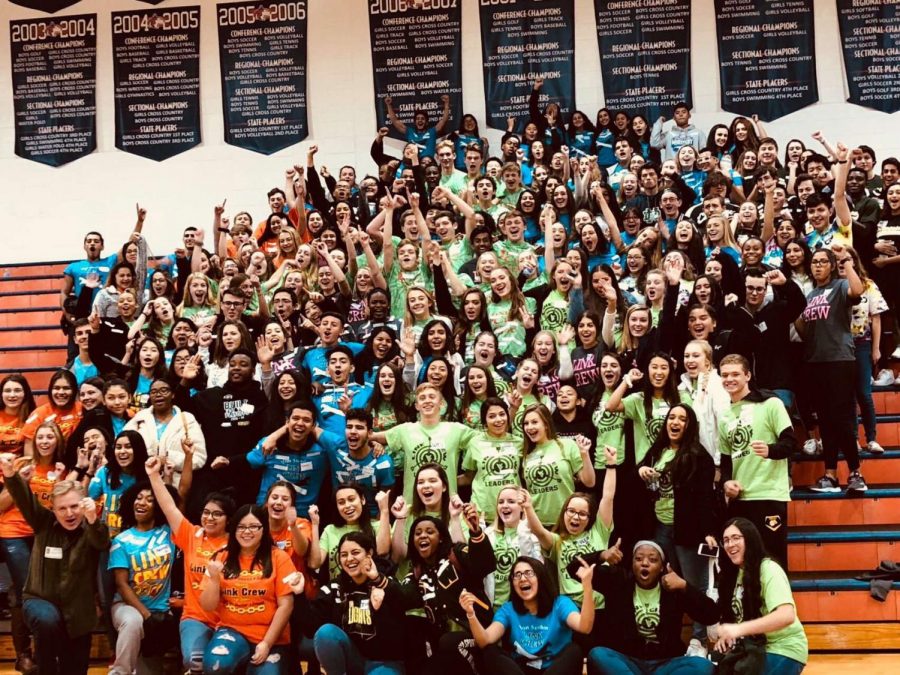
(776,591)
(747,421)
(646,431)
(471,416)
(399,283)
(496,463)
(555,312)
(565,550)
(384,418)
(527,400)
(506,550)
(610,431)
(665,500)
(329,540)
(550,476)
(508,254)
(440,443)
(456,182)
(510,332)
(646,612)
(460,252)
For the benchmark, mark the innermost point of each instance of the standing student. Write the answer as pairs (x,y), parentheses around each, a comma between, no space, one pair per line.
(538,621)
(756,440)
(755,599)
(825,328)
(60,615)
(551,464)
(249,586)
(198,544)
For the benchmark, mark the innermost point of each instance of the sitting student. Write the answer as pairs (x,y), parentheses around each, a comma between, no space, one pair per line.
(141,559)
(755,594)
(356,618)
(60,615)
(645,608)
(539,622)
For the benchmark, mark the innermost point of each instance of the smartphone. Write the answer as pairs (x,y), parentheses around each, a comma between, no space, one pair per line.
(708,551)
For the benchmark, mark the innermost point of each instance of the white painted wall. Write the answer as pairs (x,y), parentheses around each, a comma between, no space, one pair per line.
(46,211)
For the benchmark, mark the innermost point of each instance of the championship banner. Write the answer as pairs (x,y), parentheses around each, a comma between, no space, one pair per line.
(522,41)
(767,61)
(156,69)
(262,56)
(54,78)
(49,6)
(416,58)
(645,55)
(870,36)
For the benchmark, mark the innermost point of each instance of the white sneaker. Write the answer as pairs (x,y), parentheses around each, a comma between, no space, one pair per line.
(696,648)
(874,447)
(812,447)
(896,353)
(884,379)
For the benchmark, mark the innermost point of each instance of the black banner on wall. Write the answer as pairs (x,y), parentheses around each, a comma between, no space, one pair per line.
(521,41)
(156,65)
(49,6)
(870,35)
(767,62)
(54,75)
(645,55)
(416,59)
(262,54)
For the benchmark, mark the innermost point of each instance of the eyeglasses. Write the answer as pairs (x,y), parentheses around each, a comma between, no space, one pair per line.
(213,514)
(162,391)
(820,262)
(249,528)
(755,289)
(232,303)
(579,514)
(732,540)
(524,574)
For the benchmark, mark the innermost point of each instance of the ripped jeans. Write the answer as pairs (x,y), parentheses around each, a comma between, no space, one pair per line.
(229,652)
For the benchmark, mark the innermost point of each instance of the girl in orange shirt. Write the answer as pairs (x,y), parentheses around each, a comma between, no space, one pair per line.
(250,587)
(63,408)
(16,537)
(199,543)
(18,403)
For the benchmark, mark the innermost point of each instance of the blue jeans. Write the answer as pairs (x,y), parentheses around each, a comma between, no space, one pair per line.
(55,651)
(605,661)
(864,389)
(195,635)
(776,664)
(338,654)
(229,652)
(17,552)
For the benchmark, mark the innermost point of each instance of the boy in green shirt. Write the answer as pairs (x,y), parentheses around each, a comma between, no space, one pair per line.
(756,439)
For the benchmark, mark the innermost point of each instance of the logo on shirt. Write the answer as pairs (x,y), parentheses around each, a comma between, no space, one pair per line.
(499,469)
(542,478)
(739,437)
(653,426)
(426,453)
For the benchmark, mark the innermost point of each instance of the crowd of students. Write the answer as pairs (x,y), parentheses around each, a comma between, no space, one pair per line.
(474,412)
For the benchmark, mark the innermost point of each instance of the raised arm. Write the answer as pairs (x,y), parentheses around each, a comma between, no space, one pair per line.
(163,497)
(392,116)
(445,115)
(615,236)
(605,510)
(484,637)
(544,536)
(614,402)
(377,277)
(769,213)
(841,207)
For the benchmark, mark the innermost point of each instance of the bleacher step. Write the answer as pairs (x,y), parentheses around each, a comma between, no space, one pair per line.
(880,468)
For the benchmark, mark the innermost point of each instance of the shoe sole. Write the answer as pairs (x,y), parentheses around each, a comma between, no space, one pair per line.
(830,489)
(858,489)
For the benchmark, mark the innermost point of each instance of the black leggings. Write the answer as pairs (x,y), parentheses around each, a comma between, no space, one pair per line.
(833,385)
(498,662)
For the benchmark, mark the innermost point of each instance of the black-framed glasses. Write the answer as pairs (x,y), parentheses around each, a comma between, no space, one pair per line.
(523,574)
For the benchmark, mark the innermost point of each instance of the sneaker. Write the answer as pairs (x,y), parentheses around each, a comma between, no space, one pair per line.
(856,483)
(812,447)
(696,648)
(896,353)
(826,484)
(884,379)
(874,447)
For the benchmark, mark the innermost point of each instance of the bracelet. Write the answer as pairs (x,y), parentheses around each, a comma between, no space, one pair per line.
(224,229)
(611,467)
(841,161)
(88,474)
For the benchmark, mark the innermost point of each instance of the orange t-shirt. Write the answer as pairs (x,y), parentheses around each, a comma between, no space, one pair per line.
(12,523)
(49,413)
(247,604)
(198,548)
(12,433)
(285,542)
